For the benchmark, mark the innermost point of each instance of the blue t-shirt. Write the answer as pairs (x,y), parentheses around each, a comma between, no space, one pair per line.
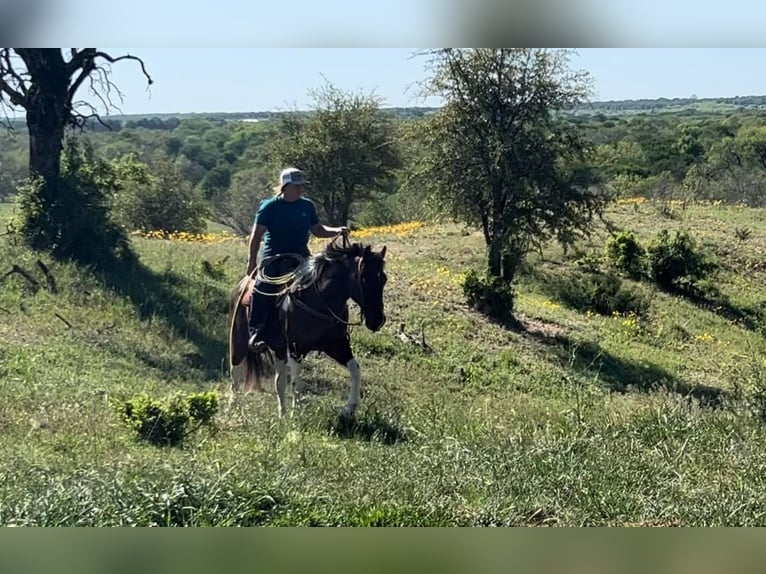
(288,224)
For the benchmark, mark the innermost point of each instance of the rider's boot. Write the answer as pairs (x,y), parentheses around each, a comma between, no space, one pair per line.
(260,307)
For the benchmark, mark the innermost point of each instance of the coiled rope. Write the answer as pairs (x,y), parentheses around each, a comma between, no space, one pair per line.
(262,278)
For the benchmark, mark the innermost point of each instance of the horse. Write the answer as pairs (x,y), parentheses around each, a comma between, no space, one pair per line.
(312,315)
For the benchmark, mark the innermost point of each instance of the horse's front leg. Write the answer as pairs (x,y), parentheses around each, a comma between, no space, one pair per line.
(295,375)
(280,382)
(356,387)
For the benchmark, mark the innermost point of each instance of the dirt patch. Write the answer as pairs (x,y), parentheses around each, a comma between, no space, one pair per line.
(540,328)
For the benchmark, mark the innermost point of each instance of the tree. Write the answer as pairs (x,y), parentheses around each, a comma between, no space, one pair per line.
(346,147)
(44,83)
(499,156)
(156,198)
(236,205)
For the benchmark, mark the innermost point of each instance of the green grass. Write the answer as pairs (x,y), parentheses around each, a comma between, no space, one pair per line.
(571,419)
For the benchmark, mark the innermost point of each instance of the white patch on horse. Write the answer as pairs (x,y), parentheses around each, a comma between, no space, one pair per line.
(280,382)
(295,373)
(356,385)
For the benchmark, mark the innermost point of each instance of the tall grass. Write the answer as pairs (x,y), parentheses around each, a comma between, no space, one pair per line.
(567,418)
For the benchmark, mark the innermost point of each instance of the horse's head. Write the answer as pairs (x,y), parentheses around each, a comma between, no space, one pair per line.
(371,277)
(352,271)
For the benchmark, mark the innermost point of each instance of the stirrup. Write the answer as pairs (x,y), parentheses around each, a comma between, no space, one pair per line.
(256,345)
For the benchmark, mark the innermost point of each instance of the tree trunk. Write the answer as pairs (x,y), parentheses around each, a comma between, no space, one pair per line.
(494,256)
(48,109)
(495,236)
(511,261)
(46,126)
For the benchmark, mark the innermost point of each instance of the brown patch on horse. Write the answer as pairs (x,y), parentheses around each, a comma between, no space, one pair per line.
(238,320)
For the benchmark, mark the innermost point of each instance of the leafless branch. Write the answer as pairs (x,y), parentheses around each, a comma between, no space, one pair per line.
(80,119)
(25,274)
(48,276)
(112,60)
(17,94)
(84,73)
(101,87)
(85,61)
(418,342)
(67,323)
(16,98)
(7,123)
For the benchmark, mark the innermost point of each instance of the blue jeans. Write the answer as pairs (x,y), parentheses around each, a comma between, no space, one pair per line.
(262,300)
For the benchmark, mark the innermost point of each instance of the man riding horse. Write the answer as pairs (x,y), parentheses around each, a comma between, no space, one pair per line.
(283,223)
(307,295)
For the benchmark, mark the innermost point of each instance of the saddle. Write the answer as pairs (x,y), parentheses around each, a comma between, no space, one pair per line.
(240,311)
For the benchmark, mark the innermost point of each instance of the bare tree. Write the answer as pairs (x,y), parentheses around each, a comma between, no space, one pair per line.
(44,82)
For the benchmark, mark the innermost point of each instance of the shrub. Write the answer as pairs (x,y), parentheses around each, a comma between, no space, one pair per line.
(157,198)
(491,296)
(677,264)
(71,217)
(602,293)
(624,252)
(168,422)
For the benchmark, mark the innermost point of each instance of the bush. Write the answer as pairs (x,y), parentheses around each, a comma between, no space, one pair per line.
(602,293)
(157,199)
(677,264)
(71,218)
(625,253)
(168,422)
(492,296)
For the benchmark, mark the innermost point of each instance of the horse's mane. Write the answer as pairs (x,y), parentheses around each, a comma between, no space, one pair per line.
(319,265)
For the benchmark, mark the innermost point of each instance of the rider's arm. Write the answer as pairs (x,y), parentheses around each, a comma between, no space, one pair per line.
(323,231)
(320,230)
(255,244)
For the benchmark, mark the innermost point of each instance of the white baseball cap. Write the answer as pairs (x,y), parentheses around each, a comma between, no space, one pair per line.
(291,175)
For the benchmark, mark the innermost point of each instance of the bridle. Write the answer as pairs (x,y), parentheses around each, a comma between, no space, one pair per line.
(357,282)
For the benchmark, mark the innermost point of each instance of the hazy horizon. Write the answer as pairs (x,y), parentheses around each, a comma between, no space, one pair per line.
(242,80)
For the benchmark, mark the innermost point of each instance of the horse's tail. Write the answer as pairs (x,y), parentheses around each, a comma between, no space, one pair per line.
(238,320)
(258,364)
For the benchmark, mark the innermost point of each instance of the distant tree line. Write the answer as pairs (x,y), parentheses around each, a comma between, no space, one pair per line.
(507,153)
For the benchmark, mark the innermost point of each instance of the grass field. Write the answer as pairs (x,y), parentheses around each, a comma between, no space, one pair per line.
(569,418)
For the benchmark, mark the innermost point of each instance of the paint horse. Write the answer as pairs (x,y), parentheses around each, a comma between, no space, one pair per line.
(312,315)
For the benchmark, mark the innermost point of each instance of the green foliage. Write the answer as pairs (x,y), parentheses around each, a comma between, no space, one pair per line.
(215,270)
(602,293)
(167,422)
(71,217)
(676,263)
(568,401)
(392,208)
(657,186)
(346,147)
(235,206)
(590,261)
(156,198)
(203,406)
(742,234)
(624,252)
(498,156)
(491,296)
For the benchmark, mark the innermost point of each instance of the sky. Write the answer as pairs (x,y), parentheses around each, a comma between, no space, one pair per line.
(274,79)
(259,55)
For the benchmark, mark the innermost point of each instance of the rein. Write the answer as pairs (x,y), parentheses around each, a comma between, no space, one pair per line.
(332,315)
